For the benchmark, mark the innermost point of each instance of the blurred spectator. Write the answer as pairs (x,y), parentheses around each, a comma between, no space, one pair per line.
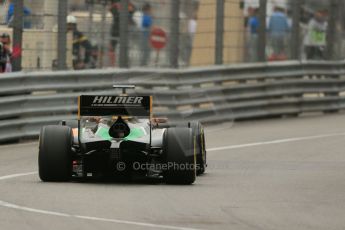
(81,57)
(3,11)
(138,19)
(10,16)
(136,30)
(3,59)
(115,9)
(278,28)
(5,53)
(253,25)
(192,26)
(147,22)
(315,40)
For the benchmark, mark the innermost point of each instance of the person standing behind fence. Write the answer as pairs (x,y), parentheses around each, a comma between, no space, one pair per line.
(192,27)
(81,58)
(253,25)
(115,9)
(115,30)
(315,40)
(147,22)
(5,53)
(10,15)
(3,58)
(3,12)
(278,29)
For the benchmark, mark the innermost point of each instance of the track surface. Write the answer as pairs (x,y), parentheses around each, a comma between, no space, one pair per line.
(272,174)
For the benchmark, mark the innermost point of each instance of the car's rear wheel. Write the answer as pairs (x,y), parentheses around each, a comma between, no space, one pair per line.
(198,132)
(179,155)
(55,157)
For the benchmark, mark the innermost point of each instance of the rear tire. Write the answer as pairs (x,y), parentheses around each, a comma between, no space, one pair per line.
(55,157)
(180,156)
(198,132)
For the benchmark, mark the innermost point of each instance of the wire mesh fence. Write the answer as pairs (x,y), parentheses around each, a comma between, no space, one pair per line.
(84,34)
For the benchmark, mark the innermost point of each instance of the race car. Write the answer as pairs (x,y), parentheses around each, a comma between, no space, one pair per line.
(117,136)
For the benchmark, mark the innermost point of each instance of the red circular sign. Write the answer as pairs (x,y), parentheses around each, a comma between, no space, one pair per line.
(158,38)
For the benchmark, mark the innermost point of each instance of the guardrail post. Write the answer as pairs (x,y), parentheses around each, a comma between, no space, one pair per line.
(219,32)
(296,31)
(174,33)
(62,33)
(262,31)
(17,35)
(124,45)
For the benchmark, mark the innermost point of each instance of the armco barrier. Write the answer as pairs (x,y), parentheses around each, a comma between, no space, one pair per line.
(214,94)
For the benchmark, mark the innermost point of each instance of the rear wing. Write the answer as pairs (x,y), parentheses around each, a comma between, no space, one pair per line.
(136,106)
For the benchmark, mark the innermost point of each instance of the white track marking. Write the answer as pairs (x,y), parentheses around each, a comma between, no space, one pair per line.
(17,175)
(14,206)
(134,223)
(275,142)
(52,213)
(45,212)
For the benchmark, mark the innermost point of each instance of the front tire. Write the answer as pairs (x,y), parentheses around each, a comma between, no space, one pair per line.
(180,156)
(55,157)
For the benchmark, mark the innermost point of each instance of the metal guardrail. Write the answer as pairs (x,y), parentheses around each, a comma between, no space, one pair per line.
(31,100)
